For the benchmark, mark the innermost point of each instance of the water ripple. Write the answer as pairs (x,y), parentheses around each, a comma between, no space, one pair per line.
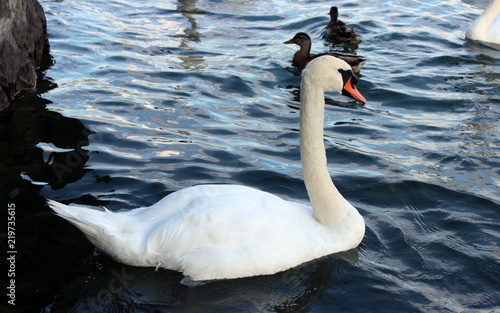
(156,96)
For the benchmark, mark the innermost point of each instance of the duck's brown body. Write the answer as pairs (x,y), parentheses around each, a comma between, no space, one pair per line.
(304,56)
(338,31)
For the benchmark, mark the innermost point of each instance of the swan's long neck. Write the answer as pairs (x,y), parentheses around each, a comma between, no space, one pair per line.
(328,204)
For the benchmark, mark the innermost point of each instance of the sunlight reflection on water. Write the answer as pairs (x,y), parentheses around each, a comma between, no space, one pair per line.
(153,96)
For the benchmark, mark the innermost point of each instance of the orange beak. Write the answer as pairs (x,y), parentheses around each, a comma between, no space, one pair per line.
(353,92)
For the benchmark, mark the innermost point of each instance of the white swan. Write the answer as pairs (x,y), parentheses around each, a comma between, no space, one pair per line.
(487,27)
(212,232)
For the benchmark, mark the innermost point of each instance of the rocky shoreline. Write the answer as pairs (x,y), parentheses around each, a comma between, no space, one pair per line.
(23,43)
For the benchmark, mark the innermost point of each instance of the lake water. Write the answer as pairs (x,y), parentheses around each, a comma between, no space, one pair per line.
(147,97)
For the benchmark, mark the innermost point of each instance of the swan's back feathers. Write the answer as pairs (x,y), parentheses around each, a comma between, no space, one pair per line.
(210,232)
(487,27)
(104,229)
(88,220)
(236,231)
(227,231)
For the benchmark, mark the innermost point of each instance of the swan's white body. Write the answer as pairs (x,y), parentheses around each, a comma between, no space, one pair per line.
(487,27)
(229,231)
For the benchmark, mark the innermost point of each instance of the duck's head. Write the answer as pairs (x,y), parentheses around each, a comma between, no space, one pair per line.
(334,13)
(301,39)
(332,74)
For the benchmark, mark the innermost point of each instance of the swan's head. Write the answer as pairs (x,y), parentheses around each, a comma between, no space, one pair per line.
(300,39)
(332,74)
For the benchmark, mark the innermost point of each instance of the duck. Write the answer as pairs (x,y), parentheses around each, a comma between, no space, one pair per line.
(338,32)
(304,56)
(224,231)
(487,27)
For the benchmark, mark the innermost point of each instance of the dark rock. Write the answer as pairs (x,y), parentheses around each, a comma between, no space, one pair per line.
(23,43)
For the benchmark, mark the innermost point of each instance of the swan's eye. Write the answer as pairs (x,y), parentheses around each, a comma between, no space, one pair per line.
(348,74)
(350,80)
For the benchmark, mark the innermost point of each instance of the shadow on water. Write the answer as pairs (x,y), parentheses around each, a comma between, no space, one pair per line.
(38,148)
(38,145)
(119,288)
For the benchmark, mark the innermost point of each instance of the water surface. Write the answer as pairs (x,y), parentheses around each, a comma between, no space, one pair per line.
(145,98)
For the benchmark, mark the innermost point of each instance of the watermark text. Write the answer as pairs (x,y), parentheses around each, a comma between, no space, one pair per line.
(11,253)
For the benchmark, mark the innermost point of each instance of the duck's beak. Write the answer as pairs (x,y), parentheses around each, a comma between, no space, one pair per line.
(352,91)
(289,41)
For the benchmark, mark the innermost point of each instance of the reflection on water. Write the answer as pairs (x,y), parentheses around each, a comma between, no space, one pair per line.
(124,288)
(189,11)
(153,97)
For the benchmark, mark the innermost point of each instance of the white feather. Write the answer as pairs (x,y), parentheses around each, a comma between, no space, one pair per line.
(487,27)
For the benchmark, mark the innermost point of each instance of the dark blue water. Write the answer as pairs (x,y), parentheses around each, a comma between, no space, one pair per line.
(145,98)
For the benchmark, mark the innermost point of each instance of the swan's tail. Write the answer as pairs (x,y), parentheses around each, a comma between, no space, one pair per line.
(93,223)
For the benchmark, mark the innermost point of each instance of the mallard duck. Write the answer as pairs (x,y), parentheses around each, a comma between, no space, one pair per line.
(487,27)
(213,232)
(303,56)
(338,32)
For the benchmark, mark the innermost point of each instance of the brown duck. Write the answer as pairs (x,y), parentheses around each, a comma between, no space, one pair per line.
(338,31)
(303,56)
